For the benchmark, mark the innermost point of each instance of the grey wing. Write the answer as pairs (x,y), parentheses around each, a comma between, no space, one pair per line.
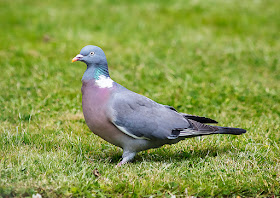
(142,118)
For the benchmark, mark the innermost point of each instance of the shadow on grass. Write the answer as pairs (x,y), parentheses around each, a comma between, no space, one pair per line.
(171,155)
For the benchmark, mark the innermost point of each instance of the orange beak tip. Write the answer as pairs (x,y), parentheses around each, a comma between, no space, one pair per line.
(74,59)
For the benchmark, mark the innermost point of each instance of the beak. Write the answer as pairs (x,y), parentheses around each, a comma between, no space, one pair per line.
(77,58)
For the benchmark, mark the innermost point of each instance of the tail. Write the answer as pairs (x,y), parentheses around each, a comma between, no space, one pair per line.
(200,129)
(229,130)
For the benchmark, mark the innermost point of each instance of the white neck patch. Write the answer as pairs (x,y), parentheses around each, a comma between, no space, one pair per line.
(104,82)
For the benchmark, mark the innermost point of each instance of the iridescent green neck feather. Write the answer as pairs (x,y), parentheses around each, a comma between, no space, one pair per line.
(94,72)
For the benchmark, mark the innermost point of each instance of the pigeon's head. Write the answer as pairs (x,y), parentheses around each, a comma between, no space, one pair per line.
(91,55)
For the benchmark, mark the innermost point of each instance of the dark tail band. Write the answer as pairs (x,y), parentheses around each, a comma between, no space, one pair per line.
(229,130)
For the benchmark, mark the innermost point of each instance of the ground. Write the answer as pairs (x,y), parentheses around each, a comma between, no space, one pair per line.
(211,58)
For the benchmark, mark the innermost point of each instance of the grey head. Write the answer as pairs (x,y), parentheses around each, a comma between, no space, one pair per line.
(91,55)
(96,61)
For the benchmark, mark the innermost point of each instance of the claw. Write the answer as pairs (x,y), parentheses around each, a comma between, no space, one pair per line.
(119,165)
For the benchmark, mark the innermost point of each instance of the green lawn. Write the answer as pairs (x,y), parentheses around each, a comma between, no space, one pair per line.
(212,58)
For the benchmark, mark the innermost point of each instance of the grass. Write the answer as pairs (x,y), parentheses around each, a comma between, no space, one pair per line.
(212,58)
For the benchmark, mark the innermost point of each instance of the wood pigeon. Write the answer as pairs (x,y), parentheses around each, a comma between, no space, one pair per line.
(132,121)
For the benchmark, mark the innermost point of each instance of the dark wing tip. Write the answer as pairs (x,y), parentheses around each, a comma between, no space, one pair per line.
(200,119)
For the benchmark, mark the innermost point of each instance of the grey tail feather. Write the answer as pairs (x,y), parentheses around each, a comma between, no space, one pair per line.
(200,129)
(229,130)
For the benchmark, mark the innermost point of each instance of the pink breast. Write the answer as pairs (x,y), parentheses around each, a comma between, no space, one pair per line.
(95,102)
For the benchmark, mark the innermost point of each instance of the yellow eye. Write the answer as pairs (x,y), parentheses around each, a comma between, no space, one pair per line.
(91,53)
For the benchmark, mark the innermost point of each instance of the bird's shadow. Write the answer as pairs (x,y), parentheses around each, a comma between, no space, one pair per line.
(171,155)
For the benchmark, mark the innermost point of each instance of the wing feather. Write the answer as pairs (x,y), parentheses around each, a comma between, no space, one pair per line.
(142,118)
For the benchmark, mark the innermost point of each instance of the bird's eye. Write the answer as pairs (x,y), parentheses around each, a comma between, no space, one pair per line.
(91,53)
